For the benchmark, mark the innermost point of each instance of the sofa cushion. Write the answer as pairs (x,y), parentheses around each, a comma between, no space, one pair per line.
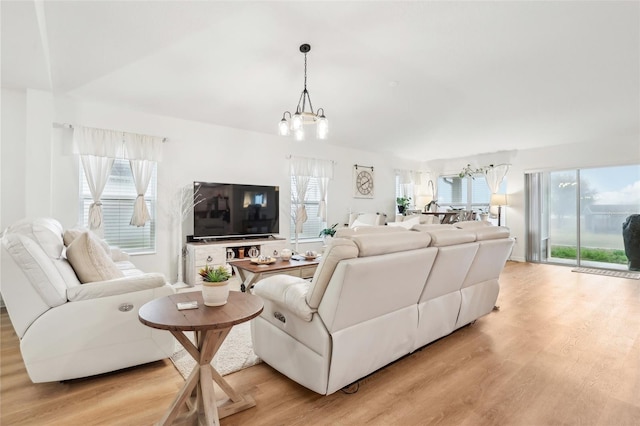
(287,291)
(449,237)
(348,232)
(337,250)
(46,232)
(95,290)
(472,224)
(376,244)
(432,227)
(89,260)
(38,267)
(491,233)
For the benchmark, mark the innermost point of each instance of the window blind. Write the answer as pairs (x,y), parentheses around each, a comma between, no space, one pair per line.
(117,207)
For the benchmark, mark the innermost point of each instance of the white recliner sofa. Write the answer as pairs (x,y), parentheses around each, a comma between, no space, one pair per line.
(376,296)
(67,329)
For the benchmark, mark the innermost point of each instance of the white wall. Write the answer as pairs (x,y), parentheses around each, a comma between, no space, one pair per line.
(194,151)
(619,150)
(39,175)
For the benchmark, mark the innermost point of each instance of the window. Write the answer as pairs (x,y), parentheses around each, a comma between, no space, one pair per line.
(314,223)
(575,216)
(117,208)
(465,193)
(405,189)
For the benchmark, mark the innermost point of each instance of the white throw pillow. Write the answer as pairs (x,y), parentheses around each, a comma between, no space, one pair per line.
(357,223)
(407,223)
(89,260)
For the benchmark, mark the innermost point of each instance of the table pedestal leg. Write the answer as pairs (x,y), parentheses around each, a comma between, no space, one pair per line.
(200,383)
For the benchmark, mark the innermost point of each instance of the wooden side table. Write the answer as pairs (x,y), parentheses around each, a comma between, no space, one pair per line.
(211,326)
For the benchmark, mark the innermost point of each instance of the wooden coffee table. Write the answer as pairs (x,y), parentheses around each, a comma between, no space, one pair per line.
(211,326)
(250,273)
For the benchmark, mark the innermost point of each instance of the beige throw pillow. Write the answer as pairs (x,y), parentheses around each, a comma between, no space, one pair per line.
(72,234)
(89,260)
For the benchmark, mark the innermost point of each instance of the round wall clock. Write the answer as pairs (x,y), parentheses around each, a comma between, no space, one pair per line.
(363,182)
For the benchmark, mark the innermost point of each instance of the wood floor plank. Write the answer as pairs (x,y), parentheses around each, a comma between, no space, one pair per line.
(564,348)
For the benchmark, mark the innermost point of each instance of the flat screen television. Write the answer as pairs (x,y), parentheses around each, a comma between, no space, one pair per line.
(235,211)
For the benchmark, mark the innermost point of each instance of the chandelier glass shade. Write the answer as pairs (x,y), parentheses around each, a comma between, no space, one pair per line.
(294,123)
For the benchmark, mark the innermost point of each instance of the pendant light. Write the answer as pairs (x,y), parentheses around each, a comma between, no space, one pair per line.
(295,123)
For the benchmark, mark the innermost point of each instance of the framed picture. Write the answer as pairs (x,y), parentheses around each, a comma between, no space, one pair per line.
(363,182)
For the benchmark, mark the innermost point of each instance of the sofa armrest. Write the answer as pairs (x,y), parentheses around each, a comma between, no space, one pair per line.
(286,291)
(118,255)
(122,285)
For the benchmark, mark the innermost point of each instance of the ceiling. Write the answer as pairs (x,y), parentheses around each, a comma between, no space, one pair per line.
(421,80)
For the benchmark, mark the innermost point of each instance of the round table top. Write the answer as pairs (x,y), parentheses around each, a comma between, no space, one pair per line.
(163,313)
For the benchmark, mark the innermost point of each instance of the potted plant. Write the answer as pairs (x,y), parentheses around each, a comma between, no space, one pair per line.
(215,285)
(328,232)
(484,215)
(403,203)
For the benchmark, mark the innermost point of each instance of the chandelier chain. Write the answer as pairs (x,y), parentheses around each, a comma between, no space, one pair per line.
(305,71)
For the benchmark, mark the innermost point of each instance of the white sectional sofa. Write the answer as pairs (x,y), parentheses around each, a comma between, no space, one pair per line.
(378,294)
(68,329)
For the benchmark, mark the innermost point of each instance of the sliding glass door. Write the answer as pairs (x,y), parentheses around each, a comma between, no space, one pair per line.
(575,216)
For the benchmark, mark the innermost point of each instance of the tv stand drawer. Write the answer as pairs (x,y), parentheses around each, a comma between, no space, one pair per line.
(214,254)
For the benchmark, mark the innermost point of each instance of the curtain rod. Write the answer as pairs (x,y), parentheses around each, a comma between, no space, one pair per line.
(289,157)
(70,126)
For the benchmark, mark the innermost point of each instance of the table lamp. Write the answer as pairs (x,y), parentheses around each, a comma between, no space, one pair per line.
(423,200)
(498,200)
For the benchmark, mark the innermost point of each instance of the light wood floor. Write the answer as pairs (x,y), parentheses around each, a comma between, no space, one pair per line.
(563,349)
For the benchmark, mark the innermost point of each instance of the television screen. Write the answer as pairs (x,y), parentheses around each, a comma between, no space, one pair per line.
(233,210)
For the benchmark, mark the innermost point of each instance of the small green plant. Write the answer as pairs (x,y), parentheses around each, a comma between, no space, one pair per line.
(214,275)
(328,231)
(403,202)
(469,172)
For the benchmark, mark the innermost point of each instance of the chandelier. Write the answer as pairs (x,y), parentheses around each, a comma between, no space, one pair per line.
(301,117)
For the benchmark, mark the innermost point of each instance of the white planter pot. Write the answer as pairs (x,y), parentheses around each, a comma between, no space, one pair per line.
(215,294)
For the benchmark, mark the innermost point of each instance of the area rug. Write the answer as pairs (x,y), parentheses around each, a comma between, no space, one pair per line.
(236,353)
(609,273)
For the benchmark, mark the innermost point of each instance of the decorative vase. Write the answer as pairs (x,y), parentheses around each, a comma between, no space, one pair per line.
(285,254)
(401,209)
(484,217)
(215,294)
(253,252)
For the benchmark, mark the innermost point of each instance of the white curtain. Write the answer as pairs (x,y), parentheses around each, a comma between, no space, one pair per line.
(143,152)
(323,170)
(141,170)
(494,176)
(97,171)
(302,170)
(323,184)
(97,149)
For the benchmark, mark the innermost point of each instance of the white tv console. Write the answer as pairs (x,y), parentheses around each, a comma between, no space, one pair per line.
(214,253)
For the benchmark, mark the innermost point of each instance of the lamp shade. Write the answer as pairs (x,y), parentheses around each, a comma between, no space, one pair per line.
(423,200)
(498,200)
